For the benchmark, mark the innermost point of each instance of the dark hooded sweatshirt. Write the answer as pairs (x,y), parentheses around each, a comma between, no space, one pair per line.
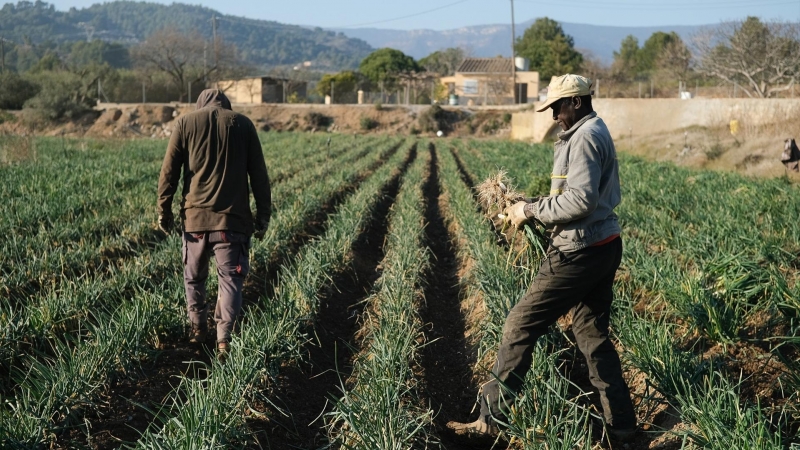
(218,150)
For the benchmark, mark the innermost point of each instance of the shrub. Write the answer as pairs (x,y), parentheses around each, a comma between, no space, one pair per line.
(6,116)
(15,90)
(433,119)
(490,127)
(368,123)
(378,106)
(318,120)
(58,97)
(506,118)
(715,151)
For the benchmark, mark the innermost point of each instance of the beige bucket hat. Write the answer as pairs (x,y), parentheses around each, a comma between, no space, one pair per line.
(568,85)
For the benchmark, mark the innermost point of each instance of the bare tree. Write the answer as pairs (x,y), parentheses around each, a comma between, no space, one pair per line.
(762,57)
(498,88)
(184,57)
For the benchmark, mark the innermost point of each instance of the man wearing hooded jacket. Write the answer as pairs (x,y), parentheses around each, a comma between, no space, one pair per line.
(578,272)
(217,150)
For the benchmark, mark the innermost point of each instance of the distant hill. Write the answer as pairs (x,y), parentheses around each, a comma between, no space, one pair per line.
(260,42)
(493,40)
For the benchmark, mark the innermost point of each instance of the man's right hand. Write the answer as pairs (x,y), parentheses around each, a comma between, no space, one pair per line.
(166,223)
(261,229)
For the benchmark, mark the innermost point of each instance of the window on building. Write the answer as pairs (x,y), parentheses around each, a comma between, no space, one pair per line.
(470,87)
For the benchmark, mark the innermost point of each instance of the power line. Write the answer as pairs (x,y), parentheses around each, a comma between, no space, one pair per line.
(665,7)
(404,17)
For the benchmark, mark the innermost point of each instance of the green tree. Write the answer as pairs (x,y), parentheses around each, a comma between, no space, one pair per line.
(345,85)
(550,51)
(443,62)
(382,66)
(661,51)
(15,90)
(627,61)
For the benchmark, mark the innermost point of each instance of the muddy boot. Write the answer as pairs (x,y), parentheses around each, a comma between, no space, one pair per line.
(474,433)
(198,334)
(223,348)
(621,434)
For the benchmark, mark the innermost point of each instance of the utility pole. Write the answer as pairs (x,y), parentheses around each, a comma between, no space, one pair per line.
(216,47)
(144,98)
(205,62)
(513,59)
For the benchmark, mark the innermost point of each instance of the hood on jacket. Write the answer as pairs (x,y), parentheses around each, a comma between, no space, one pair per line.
(213,97)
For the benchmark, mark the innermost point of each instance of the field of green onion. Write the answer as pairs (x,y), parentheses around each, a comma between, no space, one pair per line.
(376,301)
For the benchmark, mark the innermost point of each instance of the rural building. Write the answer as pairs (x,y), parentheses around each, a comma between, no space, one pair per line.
(261,89)
(487,81)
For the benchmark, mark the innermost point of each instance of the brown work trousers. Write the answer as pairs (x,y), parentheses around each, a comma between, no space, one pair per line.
(230,252)
(580,281)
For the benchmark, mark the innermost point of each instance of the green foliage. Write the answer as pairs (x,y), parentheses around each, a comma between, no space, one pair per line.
(59,97)
(15,90)
(506,118)
(551,52)
(259,42)
(345,84)
(443,62)
(433,119)
(383,66)
(368,123)
(317,120)
(5,116)
(658,51)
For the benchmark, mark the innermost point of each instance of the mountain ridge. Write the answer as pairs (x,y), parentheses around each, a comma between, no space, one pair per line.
(260,42)
(494,39)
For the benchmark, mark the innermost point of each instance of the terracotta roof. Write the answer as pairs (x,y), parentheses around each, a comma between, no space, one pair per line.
(485,65)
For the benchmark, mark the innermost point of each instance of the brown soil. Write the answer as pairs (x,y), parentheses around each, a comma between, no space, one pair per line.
(447,358)
(154,120)
(755,151)
(304,393)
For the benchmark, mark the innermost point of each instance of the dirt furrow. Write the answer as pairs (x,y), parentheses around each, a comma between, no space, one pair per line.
(448,358)
(119,419)
(305,391)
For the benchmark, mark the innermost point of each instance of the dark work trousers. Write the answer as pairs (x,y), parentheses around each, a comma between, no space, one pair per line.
(581,281)
(230,252)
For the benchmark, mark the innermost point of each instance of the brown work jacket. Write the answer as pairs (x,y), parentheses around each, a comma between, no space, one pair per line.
(218,150)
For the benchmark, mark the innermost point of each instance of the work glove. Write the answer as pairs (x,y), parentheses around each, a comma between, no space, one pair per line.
(166,223)
(261,228)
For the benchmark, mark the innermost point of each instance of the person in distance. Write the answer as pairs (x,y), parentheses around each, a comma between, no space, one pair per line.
(578,271)
(218,150)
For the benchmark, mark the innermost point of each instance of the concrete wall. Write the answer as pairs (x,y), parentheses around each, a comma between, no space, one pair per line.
(649,116)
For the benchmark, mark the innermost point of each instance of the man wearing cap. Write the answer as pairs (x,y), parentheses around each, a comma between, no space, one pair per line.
(218,150)
(577,274)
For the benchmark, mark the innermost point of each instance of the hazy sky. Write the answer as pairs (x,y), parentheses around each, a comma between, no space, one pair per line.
(447,14)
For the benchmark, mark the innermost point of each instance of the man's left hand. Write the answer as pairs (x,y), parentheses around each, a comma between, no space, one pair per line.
(515,214)
(166,223)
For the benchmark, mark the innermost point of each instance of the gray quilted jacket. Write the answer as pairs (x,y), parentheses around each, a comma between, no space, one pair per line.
(584,187)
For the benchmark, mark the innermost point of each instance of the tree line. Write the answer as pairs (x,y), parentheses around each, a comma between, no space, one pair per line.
(51,80)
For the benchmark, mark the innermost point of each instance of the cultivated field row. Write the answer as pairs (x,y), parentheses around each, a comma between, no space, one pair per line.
(376,301)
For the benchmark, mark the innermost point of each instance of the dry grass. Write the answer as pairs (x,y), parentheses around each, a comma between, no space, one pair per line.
(498,191)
